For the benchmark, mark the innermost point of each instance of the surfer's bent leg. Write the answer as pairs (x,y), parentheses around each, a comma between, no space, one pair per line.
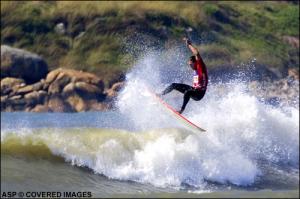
(191,93)
(186,98)
(179,87)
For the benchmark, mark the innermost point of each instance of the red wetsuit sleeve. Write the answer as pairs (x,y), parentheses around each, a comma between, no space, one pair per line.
(202,72)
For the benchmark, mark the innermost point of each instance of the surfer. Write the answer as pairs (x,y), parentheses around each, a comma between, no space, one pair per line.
(200,79)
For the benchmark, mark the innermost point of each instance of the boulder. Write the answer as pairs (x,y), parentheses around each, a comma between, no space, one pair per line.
(16,97)
(51,76)
(9,83)
(60,28)
(88,90)
(96,106)
(4,98)
(76,76)
(40,108)
(293,74)
(113,91)
(57,104)
(35,97)
(24,90)
(68,89)
(77,103)
(58,84)
(82,81)
(22,64)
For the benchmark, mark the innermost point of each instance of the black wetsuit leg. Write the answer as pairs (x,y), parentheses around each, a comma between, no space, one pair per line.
(191,93)
(188,91)
(179,87)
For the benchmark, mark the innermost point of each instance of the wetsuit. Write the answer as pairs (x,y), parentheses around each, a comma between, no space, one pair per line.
(197,91)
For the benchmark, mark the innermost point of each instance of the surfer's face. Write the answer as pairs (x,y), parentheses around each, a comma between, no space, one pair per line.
(191,64)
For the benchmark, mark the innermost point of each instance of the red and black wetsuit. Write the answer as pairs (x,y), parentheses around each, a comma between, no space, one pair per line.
(197,91)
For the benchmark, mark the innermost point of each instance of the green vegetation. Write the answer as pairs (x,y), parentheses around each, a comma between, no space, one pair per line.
(94,34)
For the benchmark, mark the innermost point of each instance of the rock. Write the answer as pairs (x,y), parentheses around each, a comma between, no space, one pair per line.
(60,28)
(22,64)
(14,103)
(117,86)
(87,90)
(96,106)
(120,77)
(51,76)
(113,91)
(43,93)
(3,102)
(57,104)
(282,91)
(37,86)
(69,88)
(16,97)
(27,89)
(84,82)
(63,90)
(293,74)
(77,76)
(40,108)
(59,83)
(4,98)
(77,103)
(8,83)
(24,90)
(35,97)
(17,104)
(293,41)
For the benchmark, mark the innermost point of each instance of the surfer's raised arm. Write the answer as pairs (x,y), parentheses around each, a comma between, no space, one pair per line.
(192,48)
(200,79)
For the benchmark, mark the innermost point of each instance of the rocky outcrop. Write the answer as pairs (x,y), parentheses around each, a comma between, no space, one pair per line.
(63,90)
(26,85)
(22,64)
(284,91)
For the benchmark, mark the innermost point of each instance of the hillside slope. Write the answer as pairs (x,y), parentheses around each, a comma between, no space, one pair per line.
(91,36)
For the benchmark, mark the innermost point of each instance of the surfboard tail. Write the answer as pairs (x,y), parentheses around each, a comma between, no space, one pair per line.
(176,114)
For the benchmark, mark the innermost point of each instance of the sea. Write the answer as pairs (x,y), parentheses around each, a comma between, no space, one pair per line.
(138,149)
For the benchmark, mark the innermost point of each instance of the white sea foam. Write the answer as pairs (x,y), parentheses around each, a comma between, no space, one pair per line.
(241,131)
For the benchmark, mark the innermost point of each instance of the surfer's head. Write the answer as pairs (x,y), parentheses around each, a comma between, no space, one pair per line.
(192,61)
(193,58)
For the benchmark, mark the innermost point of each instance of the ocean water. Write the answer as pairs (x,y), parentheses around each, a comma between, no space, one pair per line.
(64,152)
(250,148)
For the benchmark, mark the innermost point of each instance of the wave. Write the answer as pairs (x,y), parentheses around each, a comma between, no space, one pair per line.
(162,157)
(242,132)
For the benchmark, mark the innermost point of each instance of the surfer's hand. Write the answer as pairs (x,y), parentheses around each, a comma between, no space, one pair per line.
(187,41)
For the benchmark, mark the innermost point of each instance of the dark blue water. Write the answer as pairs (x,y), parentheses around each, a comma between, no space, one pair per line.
(109,119)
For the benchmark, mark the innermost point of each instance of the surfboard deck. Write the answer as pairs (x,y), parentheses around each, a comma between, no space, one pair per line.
(174,113)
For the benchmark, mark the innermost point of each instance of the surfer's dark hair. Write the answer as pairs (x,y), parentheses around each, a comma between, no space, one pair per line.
(193,58)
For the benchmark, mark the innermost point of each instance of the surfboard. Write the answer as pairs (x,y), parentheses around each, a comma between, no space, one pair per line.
(178,116)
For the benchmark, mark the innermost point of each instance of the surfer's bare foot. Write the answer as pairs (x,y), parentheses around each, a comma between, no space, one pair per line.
(180,111)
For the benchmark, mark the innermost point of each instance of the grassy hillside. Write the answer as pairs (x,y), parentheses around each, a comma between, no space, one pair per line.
(229,32)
